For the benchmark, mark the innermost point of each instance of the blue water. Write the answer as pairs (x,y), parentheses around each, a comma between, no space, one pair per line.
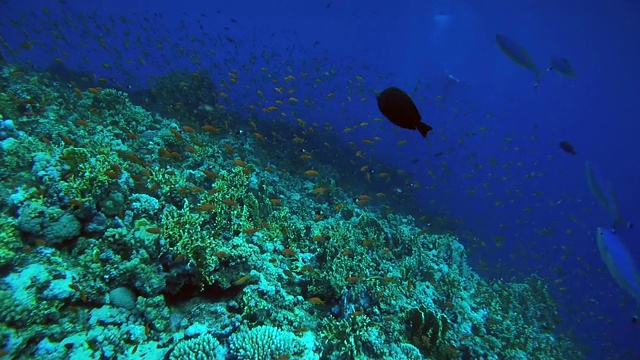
(492,164)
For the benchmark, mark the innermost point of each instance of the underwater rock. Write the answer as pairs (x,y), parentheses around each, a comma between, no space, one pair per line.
(122,297)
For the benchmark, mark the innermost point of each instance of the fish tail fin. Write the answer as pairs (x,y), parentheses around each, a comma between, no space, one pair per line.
(538,73)
(615,212)
(424,129)
(550,68)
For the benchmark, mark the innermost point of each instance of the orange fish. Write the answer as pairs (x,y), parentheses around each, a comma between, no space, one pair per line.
(176,134)
(210,174)
(242,280)
(230,202)
(288,252)
(206,207)
(209,128)
(154,230)
(221,255)
(319,191)
(316,301)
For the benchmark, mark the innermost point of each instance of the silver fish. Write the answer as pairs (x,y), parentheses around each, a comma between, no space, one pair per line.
(206,107)
(612,250)
(619,262)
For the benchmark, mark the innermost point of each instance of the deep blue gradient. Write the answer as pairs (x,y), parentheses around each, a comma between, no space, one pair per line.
(492,164)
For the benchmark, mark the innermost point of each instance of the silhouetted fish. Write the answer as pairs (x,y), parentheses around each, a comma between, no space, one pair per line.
(605,196)
(562,66)
(518,54)
(398,108)
(619,262)
(567,147)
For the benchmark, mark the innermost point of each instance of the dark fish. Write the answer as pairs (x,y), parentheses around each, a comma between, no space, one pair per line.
(563,66)
(567,147)
(398,108)
(518,54)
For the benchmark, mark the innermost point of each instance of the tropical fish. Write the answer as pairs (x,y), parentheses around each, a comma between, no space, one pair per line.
(563,66)
(518,54)
(612,250)
(619,261)
(605,197)
(567,147)
(398,108)
(206,107)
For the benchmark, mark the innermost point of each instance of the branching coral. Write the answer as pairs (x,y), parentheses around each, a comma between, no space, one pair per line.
(265,343)
(89,181)
(202,347)
(352,337)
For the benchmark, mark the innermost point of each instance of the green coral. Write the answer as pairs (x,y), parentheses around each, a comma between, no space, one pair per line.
(16,157)
(520,319)
(350,338)
(7,107)
(119,112)
(233,183)
(89,181)
(74,157)
(10,243)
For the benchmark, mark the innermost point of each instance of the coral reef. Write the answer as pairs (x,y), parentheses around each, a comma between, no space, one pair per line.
(125,233)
